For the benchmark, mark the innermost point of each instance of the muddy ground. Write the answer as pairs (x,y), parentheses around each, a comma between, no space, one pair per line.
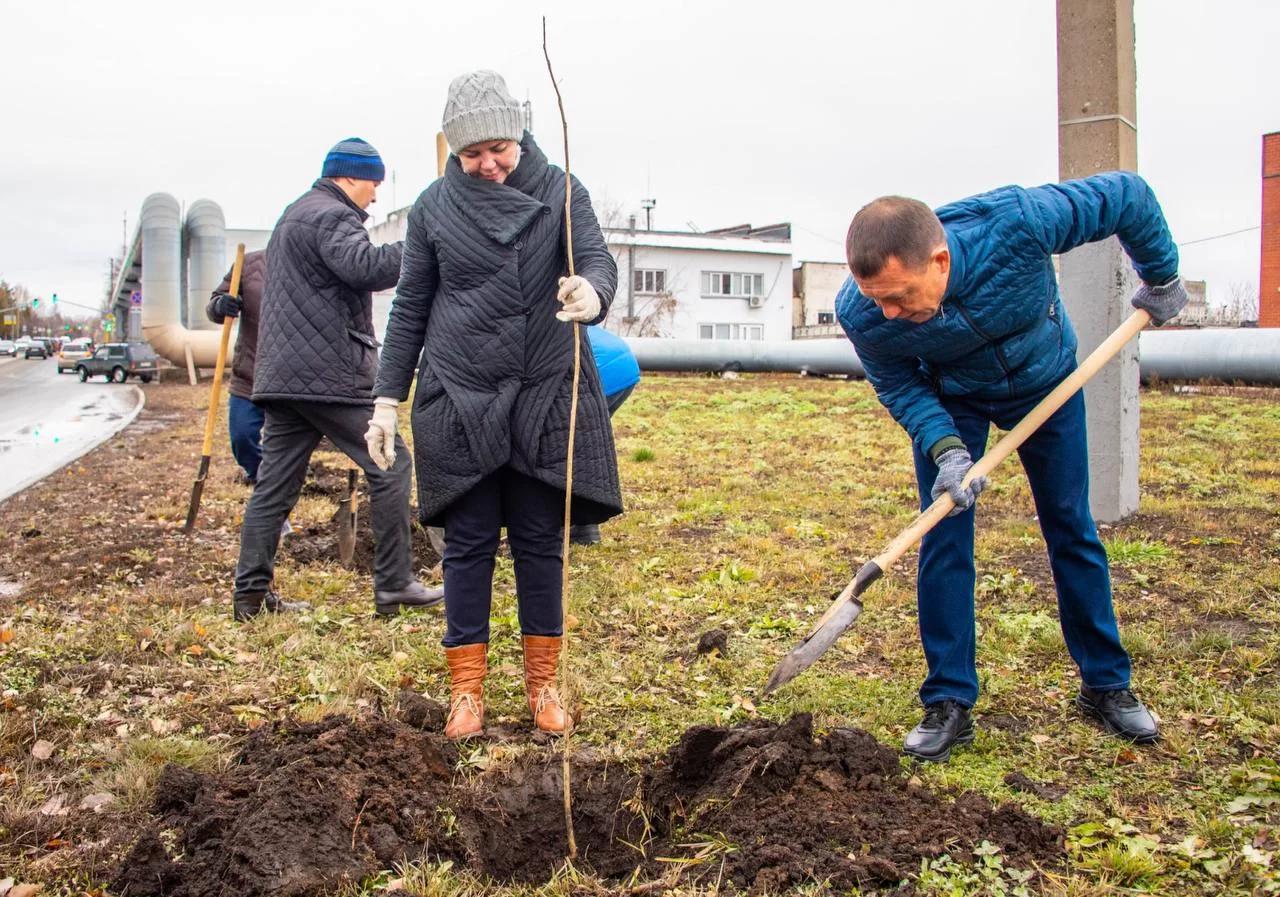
(308,808)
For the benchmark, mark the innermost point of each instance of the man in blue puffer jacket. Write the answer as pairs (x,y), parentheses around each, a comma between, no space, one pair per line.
(958,323)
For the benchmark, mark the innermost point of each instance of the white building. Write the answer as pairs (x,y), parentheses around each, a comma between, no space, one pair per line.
(733,283)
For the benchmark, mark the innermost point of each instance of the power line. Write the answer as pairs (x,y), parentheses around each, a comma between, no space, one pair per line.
(1243,230)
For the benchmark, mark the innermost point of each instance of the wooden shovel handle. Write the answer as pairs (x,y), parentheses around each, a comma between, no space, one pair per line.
(932,515)
(1018,435)
(212,417)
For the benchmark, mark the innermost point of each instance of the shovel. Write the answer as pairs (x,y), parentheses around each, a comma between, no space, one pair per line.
(848,605)
(197,488)
(347,520)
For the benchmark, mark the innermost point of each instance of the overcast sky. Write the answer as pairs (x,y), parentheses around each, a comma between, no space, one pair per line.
(725,112)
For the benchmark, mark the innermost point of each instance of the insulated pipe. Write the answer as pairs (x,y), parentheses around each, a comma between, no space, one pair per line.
(810,356)
(1246,355)
(161,227)
(206,260)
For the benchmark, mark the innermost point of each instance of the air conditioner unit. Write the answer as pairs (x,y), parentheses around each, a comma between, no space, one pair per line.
(755,301)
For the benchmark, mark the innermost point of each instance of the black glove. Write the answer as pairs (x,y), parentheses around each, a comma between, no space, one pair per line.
(225,305)
(1163,301)
(953,464)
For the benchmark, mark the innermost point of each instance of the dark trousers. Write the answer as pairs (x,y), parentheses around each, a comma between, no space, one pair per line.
(244,420)
(1056,461)
(291,433)
(534,516)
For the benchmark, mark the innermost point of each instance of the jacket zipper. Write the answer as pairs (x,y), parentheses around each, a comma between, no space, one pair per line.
(1004,364)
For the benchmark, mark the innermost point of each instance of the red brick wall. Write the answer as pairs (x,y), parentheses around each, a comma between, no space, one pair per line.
(1269,279)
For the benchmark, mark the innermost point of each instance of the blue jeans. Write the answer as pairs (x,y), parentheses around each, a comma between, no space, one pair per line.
(1056,461)
(244,420)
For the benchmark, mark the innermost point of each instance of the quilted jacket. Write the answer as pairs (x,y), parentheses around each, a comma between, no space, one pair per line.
(1002,331)
(478,292)
(315,335)
(251,278)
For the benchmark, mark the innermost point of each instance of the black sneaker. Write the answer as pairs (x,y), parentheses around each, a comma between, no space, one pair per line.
(415,594)
(945,724)
(249,606)
(1120,712)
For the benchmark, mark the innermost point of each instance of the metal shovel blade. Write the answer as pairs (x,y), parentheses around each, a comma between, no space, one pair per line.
(347,522)
(803,656)
(839,616)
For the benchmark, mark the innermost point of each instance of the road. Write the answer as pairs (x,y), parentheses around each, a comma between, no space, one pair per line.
(48,420)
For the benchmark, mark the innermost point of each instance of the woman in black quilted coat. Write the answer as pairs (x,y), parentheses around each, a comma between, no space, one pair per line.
(484,297)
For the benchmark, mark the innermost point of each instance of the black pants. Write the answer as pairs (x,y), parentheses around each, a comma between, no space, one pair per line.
(534,516)
(290,434)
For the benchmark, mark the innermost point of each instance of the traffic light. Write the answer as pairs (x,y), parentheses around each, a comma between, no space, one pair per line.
(35,303)
(55,298)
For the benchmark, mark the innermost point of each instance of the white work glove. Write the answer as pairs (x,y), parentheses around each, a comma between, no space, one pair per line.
(381,435)
(579,298)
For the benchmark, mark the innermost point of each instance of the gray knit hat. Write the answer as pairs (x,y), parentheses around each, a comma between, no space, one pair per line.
(480,108)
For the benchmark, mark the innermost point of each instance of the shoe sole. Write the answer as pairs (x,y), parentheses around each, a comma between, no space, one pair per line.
(1094,714)
(391,610)
(944,756)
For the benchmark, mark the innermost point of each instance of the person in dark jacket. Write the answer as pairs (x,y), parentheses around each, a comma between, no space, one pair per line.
(244,418)
(484,296)
(958,323)
(314,373)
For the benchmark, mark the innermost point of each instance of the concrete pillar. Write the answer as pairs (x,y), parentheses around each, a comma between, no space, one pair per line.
(1097,131)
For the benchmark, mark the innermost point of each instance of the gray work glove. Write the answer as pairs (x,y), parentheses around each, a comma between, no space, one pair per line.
(953,464)
(1163,301)
(227,306)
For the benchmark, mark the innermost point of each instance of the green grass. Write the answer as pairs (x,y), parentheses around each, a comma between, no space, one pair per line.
(750,504)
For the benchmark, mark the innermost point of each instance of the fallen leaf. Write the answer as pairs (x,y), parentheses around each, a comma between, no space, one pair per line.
(97,801)
(1040,738)
(570,622)
(56,843)
(195,649)
(24,890)
(6,636)
(400,657)
(747,705)
(42,750)
(53,807)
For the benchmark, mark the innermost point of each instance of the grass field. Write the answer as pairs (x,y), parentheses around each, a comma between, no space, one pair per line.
(750,504)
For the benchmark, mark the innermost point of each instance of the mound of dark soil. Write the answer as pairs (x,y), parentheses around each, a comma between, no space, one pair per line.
(308,808)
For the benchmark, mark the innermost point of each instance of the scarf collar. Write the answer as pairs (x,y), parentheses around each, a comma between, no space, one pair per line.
(503,210)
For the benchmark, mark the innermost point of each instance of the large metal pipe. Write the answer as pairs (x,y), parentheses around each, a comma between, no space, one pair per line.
(810,356)
(161,227)
(206,259)
(1245,355)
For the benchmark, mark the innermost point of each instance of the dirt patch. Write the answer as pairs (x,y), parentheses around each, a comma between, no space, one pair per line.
(309,808)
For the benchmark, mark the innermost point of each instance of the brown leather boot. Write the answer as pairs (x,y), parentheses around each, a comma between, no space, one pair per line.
(541,654)
(467,665)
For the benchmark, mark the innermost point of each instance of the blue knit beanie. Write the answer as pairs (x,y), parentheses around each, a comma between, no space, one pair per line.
(354,158)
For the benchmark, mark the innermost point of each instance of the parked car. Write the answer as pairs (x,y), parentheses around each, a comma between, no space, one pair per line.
(118,362)
(73,351)
(38,347)
(7,347)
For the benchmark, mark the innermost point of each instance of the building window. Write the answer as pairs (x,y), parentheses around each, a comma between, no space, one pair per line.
(731,331)
(649,280)
(826,317)
(734,285)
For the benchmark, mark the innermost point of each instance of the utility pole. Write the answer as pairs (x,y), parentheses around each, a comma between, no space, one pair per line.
(1097,131)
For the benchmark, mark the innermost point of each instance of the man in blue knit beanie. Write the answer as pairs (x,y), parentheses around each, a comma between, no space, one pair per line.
(316,364)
